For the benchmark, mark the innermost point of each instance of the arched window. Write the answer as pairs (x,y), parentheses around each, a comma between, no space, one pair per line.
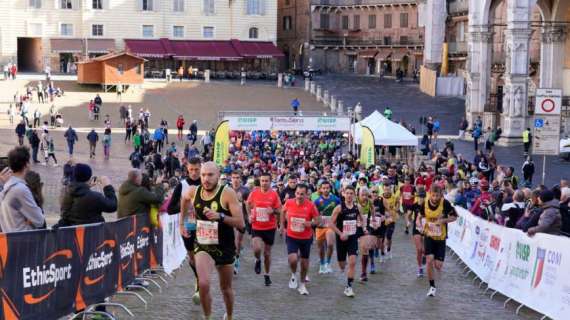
(253,33)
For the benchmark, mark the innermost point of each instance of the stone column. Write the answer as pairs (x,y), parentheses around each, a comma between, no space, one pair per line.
(434,15)
(515,98)
(552,56)
(479,66)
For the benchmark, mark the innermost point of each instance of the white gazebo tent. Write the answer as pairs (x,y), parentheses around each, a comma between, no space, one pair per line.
(386,132)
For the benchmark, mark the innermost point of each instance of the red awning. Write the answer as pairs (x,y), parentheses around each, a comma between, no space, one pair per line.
(100,45)
(66,45)
(257,49)
(204,50)
(149,48)
(368,53)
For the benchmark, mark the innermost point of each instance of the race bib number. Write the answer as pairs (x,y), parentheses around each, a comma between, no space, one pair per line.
(376,222)
(325,221)
(407,195)
(207,232)
(297,224)
(262,214)
(349,227)
(433,229)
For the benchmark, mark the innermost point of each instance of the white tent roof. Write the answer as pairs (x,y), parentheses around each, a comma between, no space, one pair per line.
(386,132)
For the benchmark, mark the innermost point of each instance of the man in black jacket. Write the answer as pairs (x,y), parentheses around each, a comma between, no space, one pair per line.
(81,205)
(21,132)
(34,140)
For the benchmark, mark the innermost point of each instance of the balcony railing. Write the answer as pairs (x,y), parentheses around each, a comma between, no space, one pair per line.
(458,47)
(459,7)
(342,41)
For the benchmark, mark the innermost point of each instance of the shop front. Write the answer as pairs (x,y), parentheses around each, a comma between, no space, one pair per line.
(224,59)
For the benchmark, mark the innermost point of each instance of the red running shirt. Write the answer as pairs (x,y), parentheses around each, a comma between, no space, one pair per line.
(297,215)
(261,203)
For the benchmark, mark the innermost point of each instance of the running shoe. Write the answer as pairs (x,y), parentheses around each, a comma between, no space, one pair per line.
(196,298)
(322,269)
(407,231)
(267,280)
(328,268)
(307,279)
(390,255)
(303,290)
(363,277)
(420,273)
(293,282)
(431,292)
(236,266)
(257,266)
(349,292)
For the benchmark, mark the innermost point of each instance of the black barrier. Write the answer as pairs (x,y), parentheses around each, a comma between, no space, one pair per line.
(48,274)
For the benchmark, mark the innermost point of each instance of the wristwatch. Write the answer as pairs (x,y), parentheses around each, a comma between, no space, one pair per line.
(222,217)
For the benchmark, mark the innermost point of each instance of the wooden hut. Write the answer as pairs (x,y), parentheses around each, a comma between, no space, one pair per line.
(112,69)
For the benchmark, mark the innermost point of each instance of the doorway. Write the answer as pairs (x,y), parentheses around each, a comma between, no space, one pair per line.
(30,54)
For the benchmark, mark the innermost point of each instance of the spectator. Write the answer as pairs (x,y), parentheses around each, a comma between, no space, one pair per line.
(180,126)
(476,135)
(295,104)
(34,140)
(134,198)
(136,159)
(388,113)
(194,131)
(107,143)
(80,204)
(18,208)
(528,171)
(513,211)
(71,137)
(92,137)
(21,132)
(158,137)
(550,220)
(34,182)
(463,125)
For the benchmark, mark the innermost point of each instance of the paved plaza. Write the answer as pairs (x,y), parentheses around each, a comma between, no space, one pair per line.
(393,293)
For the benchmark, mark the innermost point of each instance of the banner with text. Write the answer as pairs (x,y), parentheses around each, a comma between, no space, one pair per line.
(47,274)
(293,123)
(530,270)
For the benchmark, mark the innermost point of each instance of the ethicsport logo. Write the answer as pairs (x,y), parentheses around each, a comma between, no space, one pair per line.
(99,260)
(247,120)
(49,274)
(326,122)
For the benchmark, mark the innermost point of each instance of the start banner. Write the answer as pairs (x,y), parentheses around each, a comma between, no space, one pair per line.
(47,274)
(284,123)
(530,270)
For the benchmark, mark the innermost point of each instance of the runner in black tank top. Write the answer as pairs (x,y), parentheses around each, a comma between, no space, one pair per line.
(217,212)
(219,243)
(344,219)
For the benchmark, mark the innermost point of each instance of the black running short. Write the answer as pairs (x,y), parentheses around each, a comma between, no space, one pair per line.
(294,246)
(221,255)
(346,248)
(435,248)
(268,236)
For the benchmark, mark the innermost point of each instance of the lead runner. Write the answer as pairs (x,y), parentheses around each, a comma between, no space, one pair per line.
(217,212)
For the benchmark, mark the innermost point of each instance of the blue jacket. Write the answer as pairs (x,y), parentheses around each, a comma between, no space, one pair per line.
(92,137)
(158,134)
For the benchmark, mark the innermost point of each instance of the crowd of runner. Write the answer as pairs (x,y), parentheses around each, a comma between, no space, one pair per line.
(308,188)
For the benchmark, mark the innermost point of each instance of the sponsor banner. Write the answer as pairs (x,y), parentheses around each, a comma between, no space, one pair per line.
(222,143)
(99,257)
(367,151)
(127,241)
(530,270)
(173,248)
(292,123)
(47,274)
(40,274)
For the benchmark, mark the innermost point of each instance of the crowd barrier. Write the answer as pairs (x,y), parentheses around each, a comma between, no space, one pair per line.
(47,274)
(532,271)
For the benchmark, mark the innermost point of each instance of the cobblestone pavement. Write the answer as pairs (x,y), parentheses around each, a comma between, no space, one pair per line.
(393,293)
